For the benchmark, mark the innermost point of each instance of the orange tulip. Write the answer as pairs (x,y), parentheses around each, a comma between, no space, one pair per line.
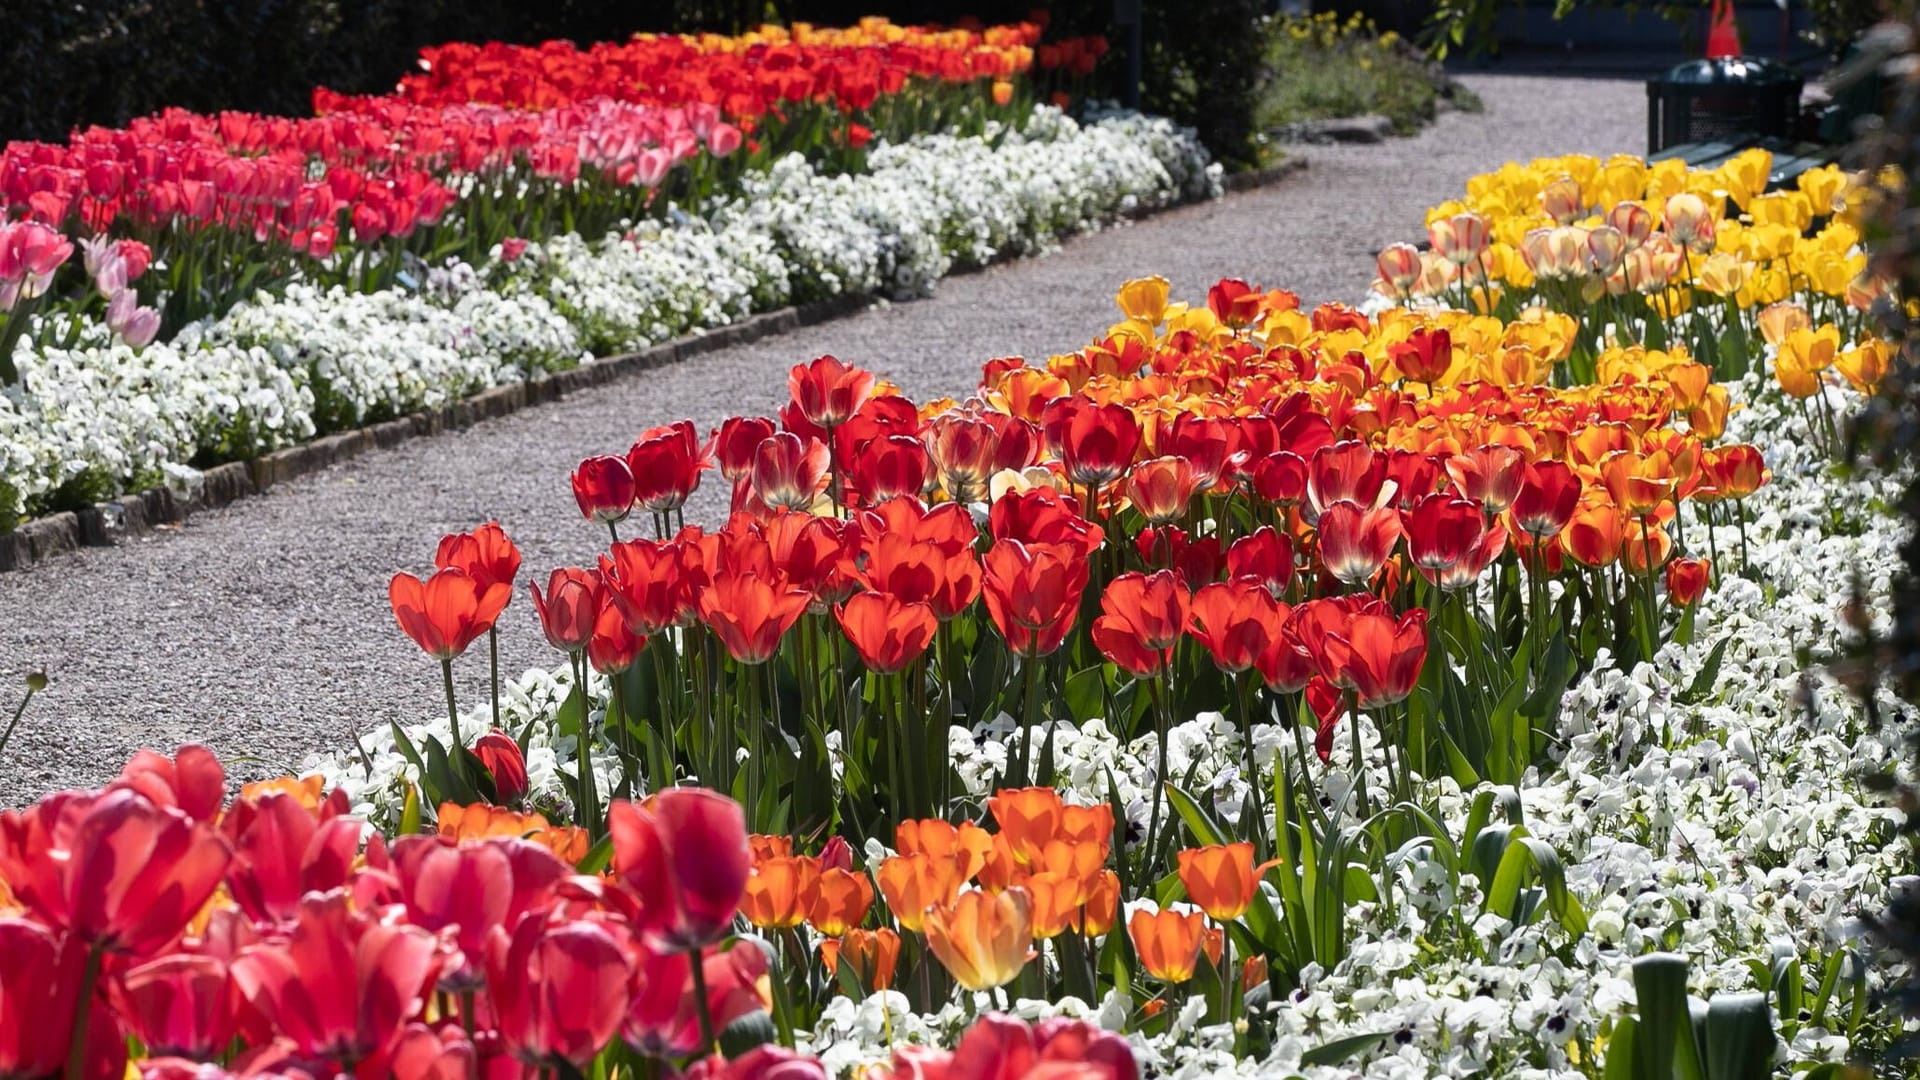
(871,955)
(837,900)
(1221,878)
(913,883)
(764,846)
(1638,482)
(1087,824)
(1594,535)
(964,845)
(1168,942)
(1028,818)
(1101,905)
(778,890)
(1056,902)
(982,938)
(1645,549)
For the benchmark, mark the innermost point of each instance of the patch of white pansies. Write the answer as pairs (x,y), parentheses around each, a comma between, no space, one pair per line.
(96,417)
(1727,830)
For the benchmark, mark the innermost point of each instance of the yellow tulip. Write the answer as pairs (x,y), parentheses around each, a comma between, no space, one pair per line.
(1721,274)
(1811,350)
(1708,417)
(1822,187)
(1865,366)
(1144,300)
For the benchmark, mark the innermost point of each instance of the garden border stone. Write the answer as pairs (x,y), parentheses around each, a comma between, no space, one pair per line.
(141,513)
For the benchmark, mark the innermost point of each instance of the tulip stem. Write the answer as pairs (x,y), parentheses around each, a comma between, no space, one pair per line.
(82,1012)
(696,969)
(17,714)
(493,667)
(453,721)
(1359,756)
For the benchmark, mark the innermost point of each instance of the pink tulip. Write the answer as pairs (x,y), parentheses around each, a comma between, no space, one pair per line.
(180,1004)
(724,140)
(39,985)
(117,871)
(281,852)
(684,854)
(342,985)
(559,992)
(468,889)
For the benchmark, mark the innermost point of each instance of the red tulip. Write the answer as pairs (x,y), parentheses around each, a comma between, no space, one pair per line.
(504,761)
(192,782)
(559,990)
(180,1005)
(114,870)
(1206,442)
(644,580)
(1443,529)
(1355,543)
(1379,658)
(666,463)
(486,554)
(1345,472)
(39,987)
(1196,559)
(1033,594)
(1142,618)
(1426,356)
(827,391)
(448,611)
(1549,494)
(1489,475)
(1280,477)
(736,441)
(463,890)
(603,487)
(1234,302)
(889,467)
(614,647)
(1264,557)
(788,472)
(1096,443)
(342,984)
(751,614)
(281,852)
(683,852)
(570,607)
(1237,621)
(1040,516)
(1414,476)
(889,634)
(1687,579)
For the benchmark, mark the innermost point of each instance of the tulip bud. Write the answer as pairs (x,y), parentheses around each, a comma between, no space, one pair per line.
(36,681)
(501,755)
(1686,580)
(837,855)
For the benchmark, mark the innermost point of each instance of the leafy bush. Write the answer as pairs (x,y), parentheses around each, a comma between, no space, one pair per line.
(1320,67)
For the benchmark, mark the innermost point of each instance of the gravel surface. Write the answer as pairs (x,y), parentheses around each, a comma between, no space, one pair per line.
(263,629)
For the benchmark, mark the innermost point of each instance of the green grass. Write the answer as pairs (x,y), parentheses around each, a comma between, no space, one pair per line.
(1319,68)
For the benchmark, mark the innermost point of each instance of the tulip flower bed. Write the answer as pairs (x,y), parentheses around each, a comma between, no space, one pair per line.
(1249,685)
(1249,692)
(95,415)
(1654,253)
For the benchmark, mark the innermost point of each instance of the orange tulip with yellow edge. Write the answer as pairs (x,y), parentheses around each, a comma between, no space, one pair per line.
(1057,898)
(965,845)
(1593,535)
(481,820)
(1645,549)
(837,900)
(1708,418)
(982,938)
(1638,482)
(1167,942)
(1101,904)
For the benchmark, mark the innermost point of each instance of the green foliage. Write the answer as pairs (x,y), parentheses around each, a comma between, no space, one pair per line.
(1320,67)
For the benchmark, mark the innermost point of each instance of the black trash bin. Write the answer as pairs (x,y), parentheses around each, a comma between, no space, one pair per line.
(1723,99)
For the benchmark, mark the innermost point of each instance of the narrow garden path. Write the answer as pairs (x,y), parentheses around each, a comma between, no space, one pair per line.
(263,629)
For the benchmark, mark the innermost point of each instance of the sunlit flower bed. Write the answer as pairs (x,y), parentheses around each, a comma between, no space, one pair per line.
(1254,691)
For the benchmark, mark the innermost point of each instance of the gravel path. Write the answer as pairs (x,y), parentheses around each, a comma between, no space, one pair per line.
(263,629)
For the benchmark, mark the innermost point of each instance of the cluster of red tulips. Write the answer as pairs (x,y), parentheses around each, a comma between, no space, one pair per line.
(274,935)
(231,201)
(1272,513)
(750,76)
